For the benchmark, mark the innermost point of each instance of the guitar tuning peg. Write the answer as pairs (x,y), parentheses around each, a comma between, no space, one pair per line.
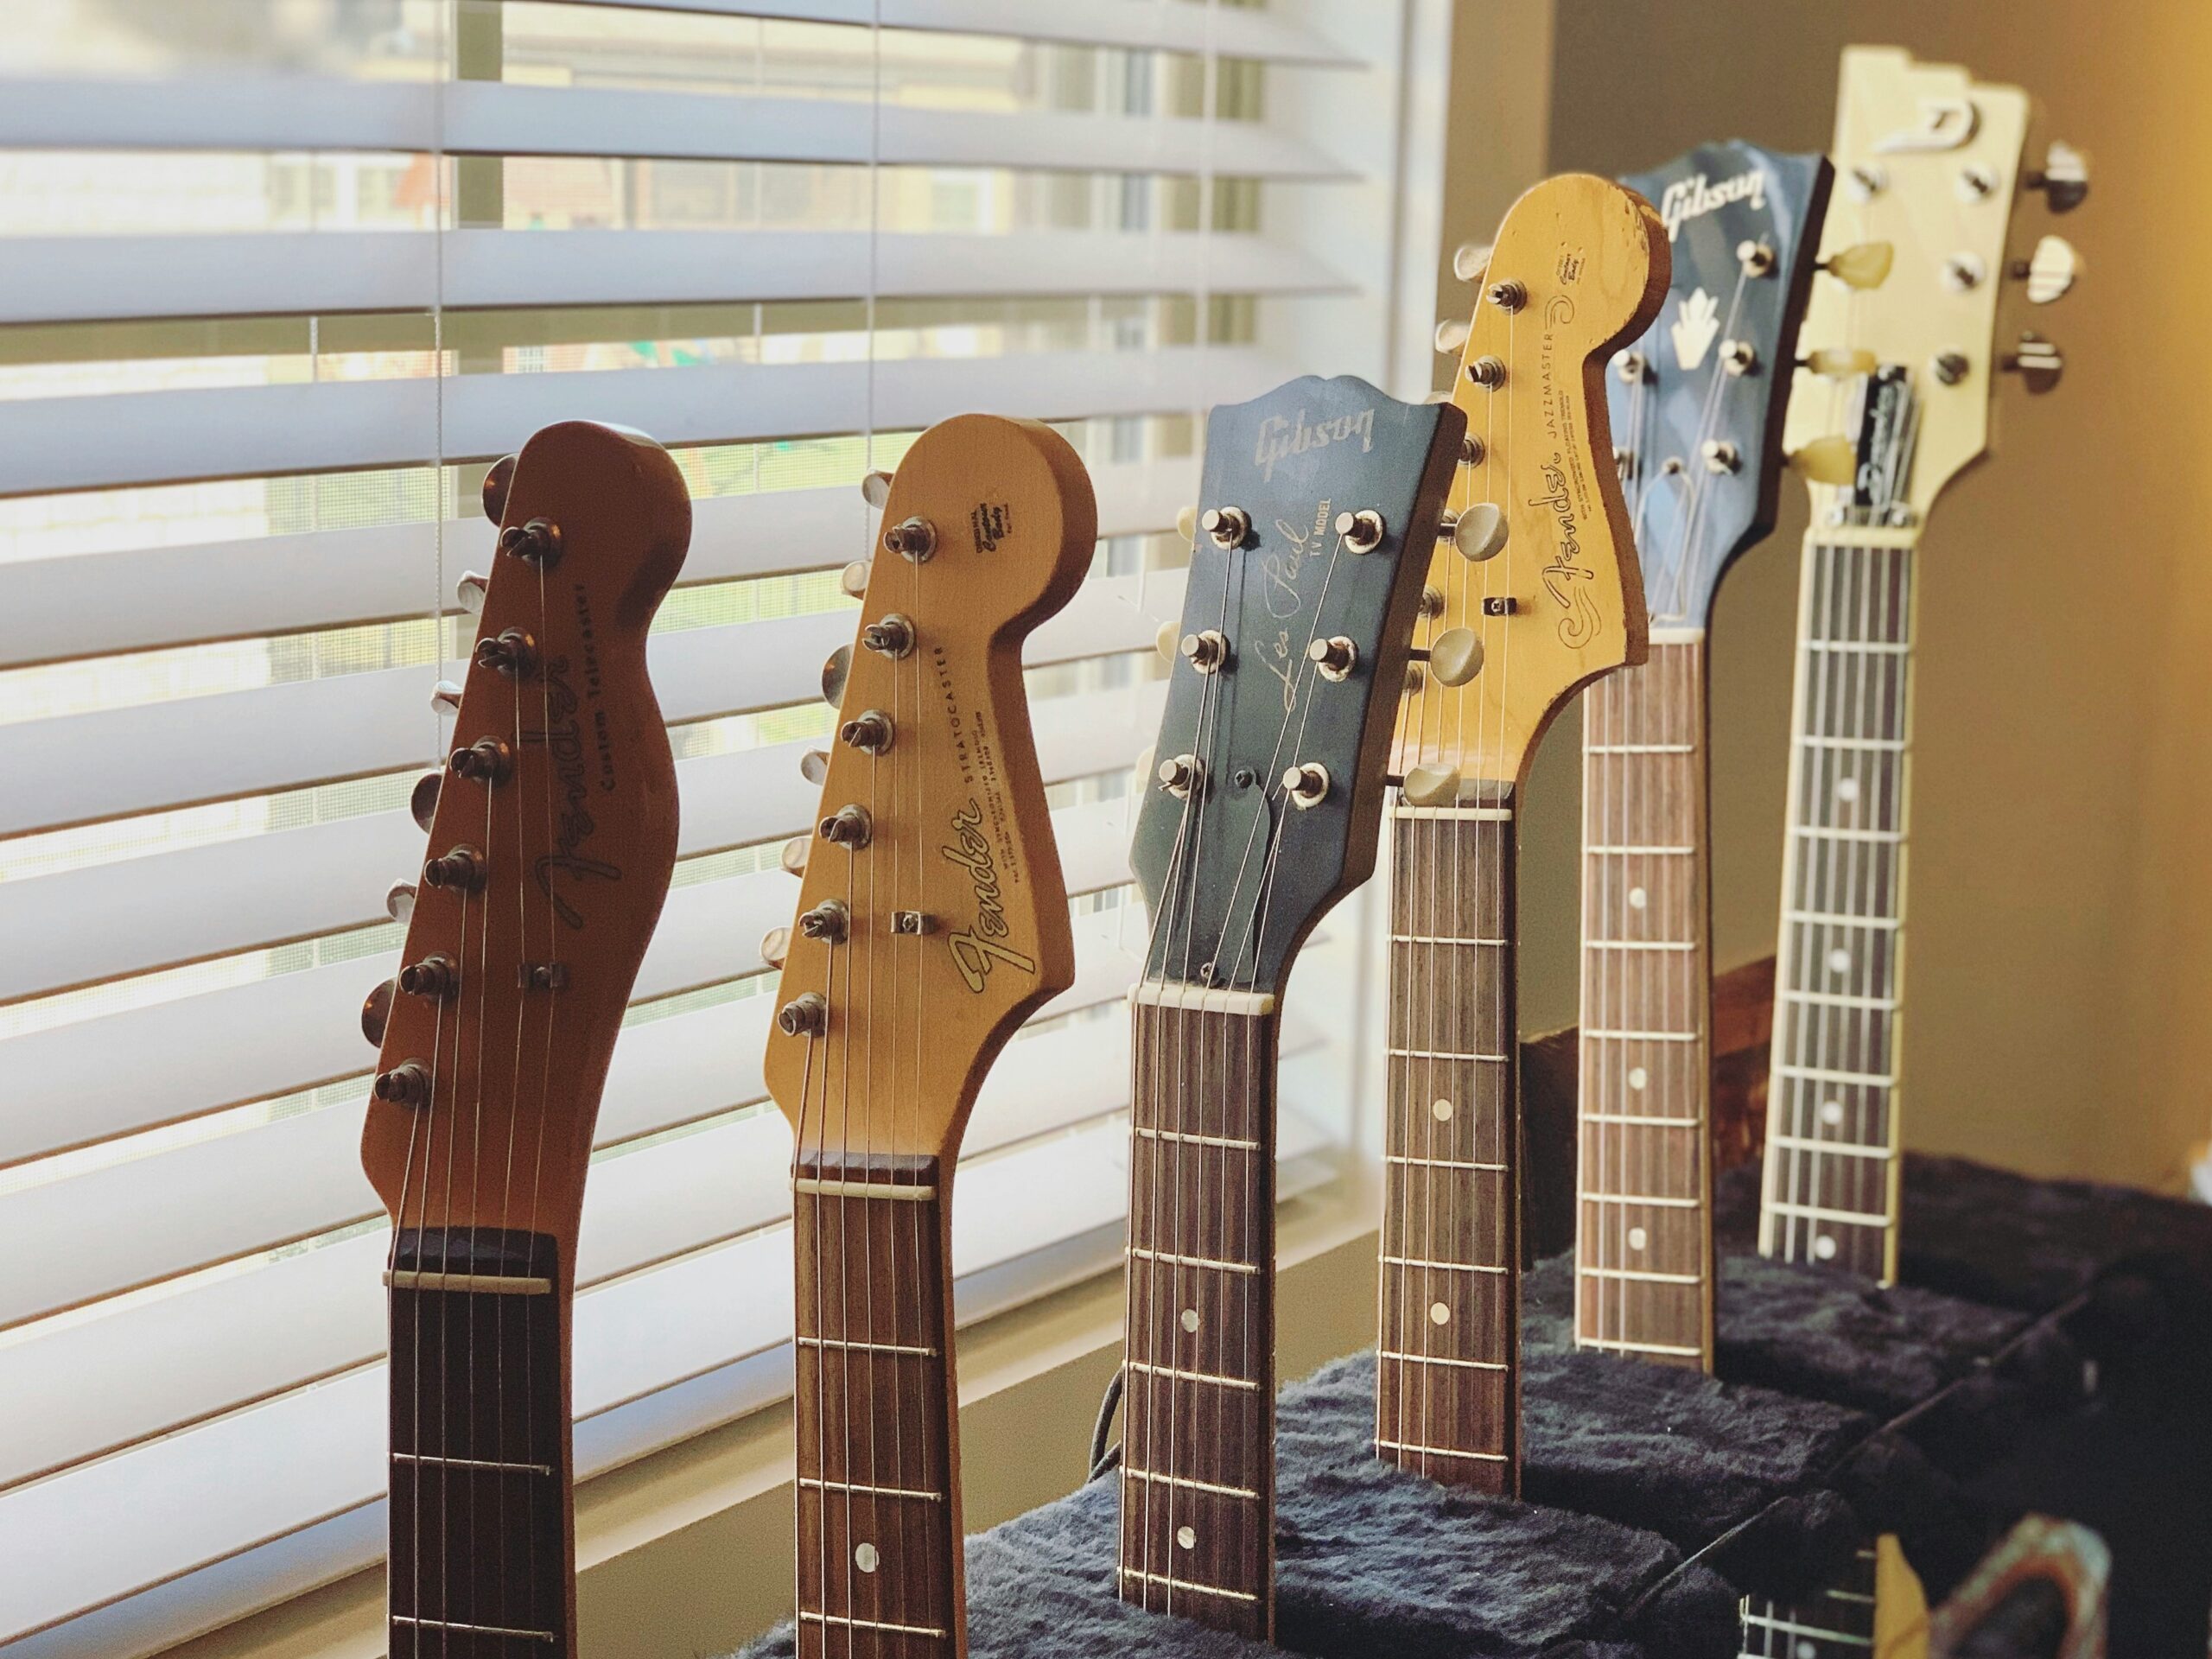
(775,945)
(1864,264)
(422,799)
(835,673)
(1470,261)
(399,901)
(814,766)
(1431,786)
(1841,362)
(1828,461)
(1479,531)
(469,591)
(793,858)
(1451,333)
(445,697)
(1168,639)
(1455,657)
(2063,178)
(875,489)
(2036,360)
(376,1014)
(852,580)
(496,481)
(1186,522)
(2049,272)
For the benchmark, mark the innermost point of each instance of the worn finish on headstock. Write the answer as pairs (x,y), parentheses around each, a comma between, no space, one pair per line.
(563,794)
(957,838)
(1930,162)
(1295,638)
(1580,265)
(1698,401)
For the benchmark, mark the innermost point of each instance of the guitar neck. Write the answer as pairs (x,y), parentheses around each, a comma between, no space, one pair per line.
(1643,1257)
(1830,1192)
(879,1566)
(1447,1385)
(482,1562)
(1197,1464)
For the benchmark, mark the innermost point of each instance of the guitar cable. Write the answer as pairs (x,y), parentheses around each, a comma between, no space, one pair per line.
(1104,1457)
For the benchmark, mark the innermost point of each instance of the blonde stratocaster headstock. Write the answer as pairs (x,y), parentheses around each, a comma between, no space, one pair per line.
(932,917)
(1901,344)
(1533,589)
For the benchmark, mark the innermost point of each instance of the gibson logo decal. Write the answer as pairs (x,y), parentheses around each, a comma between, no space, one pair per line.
(976,949)
(1689,199)
(563,740)
(1280,437)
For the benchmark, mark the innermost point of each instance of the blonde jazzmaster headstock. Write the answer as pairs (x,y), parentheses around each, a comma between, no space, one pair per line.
(1533,589)
(1901,343)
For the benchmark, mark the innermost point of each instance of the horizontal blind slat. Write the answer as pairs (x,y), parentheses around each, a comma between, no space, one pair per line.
(130,1224)
(142,914)
(227,745)
(323,273)
(57,445)
(270,113)
(268,1472)
(1230,31)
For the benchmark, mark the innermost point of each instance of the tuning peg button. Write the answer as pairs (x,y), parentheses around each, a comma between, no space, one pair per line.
(445,697)
(1841,362)
(1864,264)
(468,592)
(497,480)
(1451,334)
(399,901)
(2063,178)
(422,799)
(875,488)
(1455,656)
(1828,461)
(814,767)
(794,855)
(1469,260)
(775,946)
(1186,522)
(852,580)
(1479,531)
(836,668)
(2037,361)
(2049,272)
(376,1014)
(1431,786)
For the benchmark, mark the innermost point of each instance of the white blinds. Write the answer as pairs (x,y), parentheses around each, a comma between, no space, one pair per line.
(278,280)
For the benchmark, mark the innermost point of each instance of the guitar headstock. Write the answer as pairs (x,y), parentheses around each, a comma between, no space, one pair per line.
(552,843)
(1321,504)
(1698,403)
(1535,590)
(1900,344)
(932,917)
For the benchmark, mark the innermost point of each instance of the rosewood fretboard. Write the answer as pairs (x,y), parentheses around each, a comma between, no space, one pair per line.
(1643,1259)
(1830,1193)
(481,1543)
(1447,1382)
(880,1569)
(1198,1465)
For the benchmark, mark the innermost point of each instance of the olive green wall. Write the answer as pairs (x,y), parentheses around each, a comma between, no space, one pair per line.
(2060,967)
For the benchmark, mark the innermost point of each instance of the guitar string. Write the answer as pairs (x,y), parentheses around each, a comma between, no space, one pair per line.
(1503,1339)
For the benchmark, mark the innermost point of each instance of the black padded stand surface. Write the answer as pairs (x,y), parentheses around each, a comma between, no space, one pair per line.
(1655,1495)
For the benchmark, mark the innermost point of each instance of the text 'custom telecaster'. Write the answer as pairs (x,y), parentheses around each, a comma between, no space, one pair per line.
(1533,594)
(933,921)
(552,836)
(1321,507)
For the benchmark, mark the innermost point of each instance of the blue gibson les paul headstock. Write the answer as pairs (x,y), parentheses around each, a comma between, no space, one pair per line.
(1320,512)
(1698,403)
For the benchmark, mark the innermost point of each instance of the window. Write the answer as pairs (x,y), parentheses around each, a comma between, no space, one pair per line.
(279,279)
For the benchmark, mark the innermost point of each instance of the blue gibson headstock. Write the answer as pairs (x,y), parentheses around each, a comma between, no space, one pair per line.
(1320,512)
(1698,403)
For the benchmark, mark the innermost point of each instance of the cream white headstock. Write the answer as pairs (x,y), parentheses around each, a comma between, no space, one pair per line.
(1920,268)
